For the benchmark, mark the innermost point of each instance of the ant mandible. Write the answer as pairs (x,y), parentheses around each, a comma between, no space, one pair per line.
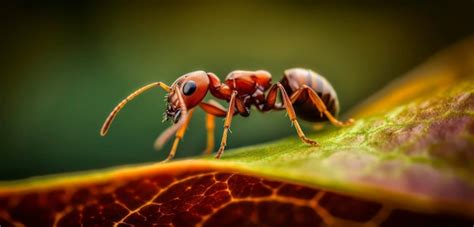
(304,93)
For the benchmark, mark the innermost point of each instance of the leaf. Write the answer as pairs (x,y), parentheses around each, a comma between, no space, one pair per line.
(408,160)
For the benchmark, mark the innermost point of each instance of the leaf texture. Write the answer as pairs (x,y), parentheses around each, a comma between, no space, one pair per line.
(408,160)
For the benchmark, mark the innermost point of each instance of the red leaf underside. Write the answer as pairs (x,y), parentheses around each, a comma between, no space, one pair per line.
(201,197)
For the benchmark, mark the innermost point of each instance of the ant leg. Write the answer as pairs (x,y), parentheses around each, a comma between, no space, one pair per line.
(212,110)
(164,136)
(179,136)
(271,100)
(322,108)
(228,120)
(111,117)
(210,125)
(296,95)
(292,116)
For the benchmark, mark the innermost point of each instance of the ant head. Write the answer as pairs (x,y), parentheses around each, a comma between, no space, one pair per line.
(187,91)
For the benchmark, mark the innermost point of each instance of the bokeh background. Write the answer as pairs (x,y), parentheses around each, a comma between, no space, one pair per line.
(65,65)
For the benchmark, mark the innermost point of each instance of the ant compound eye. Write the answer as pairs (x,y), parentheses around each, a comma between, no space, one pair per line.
(189,88)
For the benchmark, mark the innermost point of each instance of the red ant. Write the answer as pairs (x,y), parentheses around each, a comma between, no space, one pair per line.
(304,93)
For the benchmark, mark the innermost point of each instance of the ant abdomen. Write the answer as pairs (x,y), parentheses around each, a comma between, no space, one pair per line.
(295,79)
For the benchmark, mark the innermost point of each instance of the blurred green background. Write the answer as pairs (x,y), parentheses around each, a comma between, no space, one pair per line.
(67,64)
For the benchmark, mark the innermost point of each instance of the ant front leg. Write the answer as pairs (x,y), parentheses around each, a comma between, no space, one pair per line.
(178,137)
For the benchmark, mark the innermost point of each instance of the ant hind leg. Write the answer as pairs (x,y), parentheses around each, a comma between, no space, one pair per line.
(322,108)
(291,114)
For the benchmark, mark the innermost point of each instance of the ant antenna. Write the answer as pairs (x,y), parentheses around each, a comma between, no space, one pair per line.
(113,114)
